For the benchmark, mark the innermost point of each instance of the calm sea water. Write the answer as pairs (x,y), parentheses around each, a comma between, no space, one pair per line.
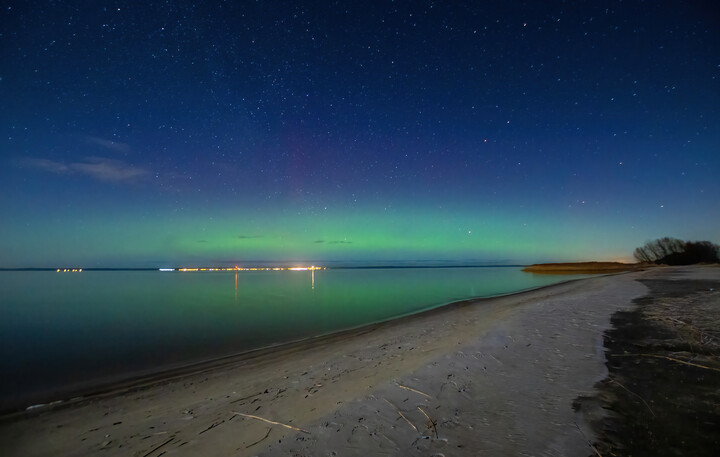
(60,329)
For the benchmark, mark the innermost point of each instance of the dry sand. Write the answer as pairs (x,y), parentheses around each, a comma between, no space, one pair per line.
(487,377)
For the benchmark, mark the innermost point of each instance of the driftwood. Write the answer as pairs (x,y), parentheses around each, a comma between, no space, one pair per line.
(261,439)
(408,421)
(630,391)
(412,390)
(159,446)
(402,415)
(271,422)
(668,358)
(212,426)
(432,422)
(588,441)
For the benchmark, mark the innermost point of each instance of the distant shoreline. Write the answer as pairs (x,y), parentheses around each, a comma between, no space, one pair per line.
(550,268)
(583,267)
(361,267)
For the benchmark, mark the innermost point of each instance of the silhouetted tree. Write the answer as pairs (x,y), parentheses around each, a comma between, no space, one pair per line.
(652,251)
(672,251)
(642,256)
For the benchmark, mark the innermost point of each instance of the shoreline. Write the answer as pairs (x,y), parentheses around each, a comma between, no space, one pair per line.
(494,375)
(69,395)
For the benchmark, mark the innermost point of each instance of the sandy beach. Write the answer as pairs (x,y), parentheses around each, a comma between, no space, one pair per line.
(491,376)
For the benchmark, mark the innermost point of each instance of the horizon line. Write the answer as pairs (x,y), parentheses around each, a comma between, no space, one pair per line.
(331,267)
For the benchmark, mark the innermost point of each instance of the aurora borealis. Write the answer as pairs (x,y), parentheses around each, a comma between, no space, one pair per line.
(166,133)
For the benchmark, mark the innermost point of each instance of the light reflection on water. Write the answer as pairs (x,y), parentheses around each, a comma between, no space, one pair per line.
(57,329)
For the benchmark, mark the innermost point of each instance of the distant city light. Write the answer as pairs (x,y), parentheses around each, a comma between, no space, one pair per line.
(237,268)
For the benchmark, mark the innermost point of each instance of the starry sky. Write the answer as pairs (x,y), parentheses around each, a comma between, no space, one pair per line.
(154,134)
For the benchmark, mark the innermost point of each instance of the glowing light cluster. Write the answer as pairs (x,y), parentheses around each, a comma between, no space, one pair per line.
(69,270)
(237,268)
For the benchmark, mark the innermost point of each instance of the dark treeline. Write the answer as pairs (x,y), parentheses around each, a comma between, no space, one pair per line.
(671,251)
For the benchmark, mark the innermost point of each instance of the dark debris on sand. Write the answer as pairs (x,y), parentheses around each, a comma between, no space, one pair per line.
(662,393)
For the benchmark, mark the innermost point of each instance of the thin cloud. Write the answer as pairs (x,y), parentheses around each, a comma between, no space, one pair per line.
(99,168)
(333,242)
(248,237)
(111,145)
(104,169)
(47,165)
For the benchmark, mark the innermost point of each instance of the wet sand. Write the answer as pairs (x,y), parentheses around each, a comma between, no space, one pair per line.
(493,376)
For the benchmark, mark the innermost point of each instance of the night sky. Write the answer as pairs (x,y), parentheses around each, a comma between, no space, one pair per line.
(156,134)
